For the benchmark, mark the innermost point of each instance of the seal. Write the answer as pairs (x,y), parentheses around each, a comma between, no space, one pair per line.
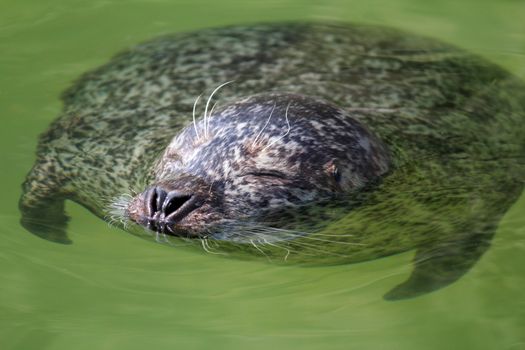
(333,144)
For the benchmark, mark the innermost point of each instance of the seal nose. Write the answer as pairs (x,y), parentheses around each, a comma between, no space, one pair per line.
(167,207)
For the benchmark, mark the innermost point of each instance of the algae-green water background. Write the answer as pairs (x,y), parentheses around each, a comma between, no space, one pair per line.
(111,290)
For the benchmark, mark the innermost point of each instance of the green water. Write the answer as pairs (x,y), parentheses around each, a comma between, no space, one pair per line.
(111,290)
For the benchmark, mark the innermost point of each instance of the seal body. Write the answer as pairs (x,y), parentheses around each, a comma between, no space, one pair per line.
(381,142)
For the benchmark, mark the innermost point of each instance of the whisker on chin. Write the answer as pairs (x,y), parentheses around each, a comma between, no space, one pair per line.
(206,246)
(288,251)
(260,250)
(260,235)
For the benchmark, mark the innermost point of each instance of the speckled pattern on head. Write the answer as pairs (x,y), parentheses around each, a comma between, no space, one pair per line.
(440,131)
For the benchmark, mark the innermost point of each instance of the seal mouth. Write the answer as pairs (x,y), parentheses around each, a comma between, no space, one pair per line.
(165,209)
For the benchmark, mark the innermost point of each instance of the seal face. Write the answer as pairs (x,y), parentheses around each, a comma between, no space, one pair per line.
(334,144)
(260,155)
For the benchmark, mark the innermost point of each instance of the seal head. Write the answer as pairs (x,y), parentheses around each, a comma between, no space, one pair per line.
(261,155)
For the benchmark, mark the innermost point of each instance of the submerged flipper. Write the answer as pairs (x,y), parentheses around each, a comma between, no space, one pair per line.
(46,220)
(42,205)
(441,264)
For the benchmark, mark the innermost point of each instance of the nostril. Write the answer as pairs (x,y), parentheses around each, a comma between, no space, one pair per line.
(174,201)
(154,199)
(160,197)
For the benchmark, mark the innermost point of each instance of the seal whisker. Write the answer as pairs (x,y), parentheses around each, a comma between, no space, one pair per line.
(167,240)
(146,231)
(207,105)
(206,247)
(194,118)
(331,235)
(315,247)
(260,250)
(215,243)
(310,246)
(277,246)
(207,243)
(112,221)
(336,242)
(209,116)
(161,237)
(265,125)
(244,231)
(308,235)
(212,109)
(287,131)
(291,237)
(116,209)
(272,229)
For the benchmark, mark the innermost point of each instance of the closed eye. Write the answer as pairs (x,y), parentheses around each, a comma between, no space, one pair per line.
(266,173)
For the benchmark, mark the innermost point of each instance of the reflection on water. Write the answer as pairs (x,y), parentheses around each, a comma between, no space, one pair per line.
(111,289)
